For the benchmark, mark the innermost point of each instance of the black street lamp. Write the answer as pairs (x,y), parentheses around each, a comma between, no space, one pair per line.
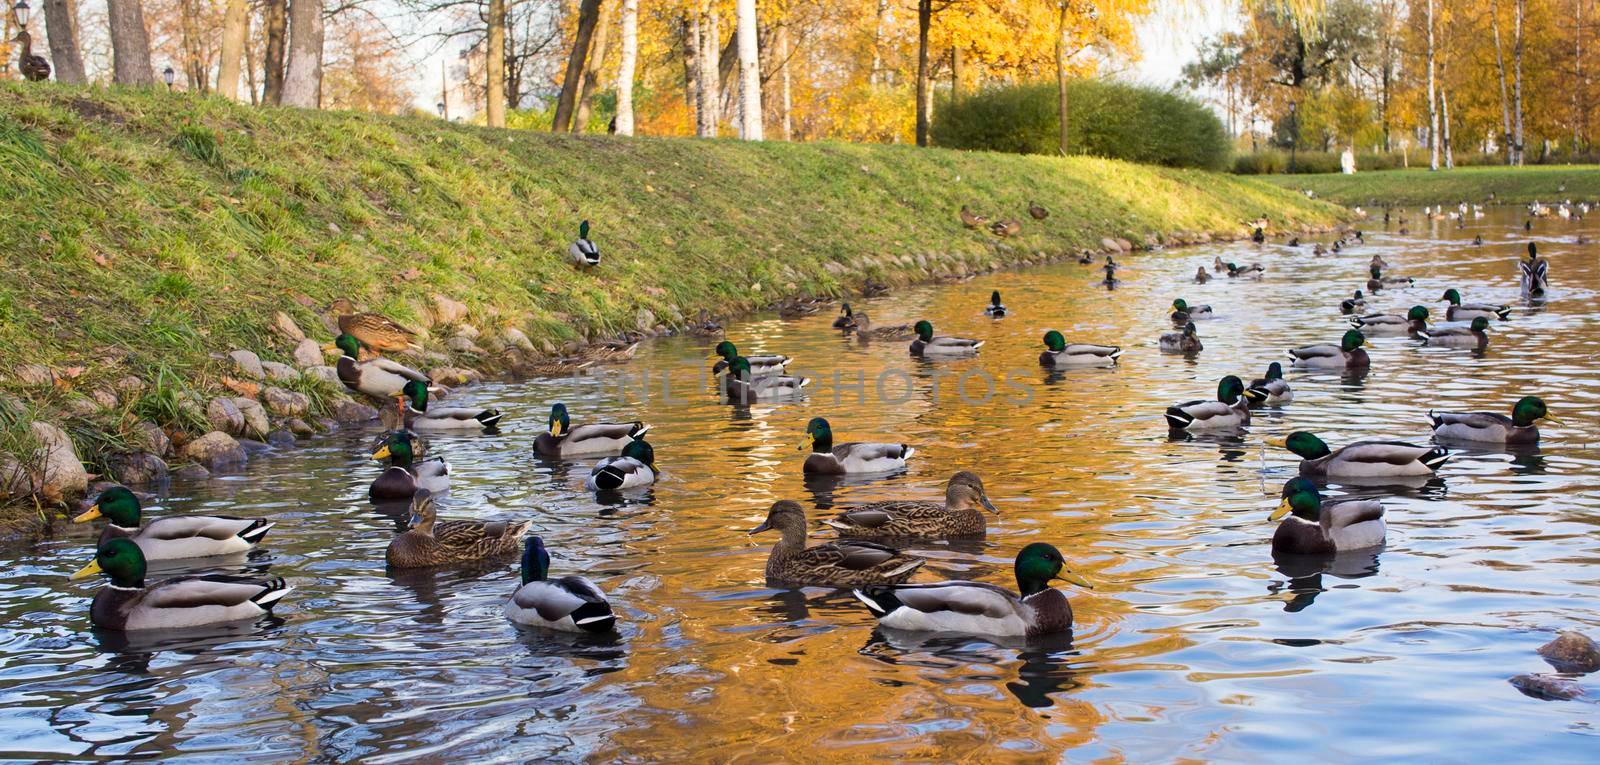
(168,75)
(23,13)
(440,107)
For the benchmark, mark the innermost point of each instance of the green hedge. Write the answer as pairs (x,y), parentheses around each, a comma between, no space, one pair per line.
(1107,119)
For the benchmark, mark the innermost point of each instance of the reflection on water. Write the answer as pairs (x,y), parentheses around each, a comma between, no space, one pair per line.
(1195,642)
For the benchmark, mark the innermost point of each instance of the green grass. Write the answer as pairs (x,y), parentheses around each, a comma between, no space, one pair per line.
(1509,185)
(144,230)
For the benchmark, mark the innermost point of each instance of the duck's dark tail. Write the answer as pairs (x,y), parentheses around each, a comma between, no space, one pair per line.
(1504,312)
(1177,419)
(878,599)
(609,478)
(1434,458)
(594,617)
(274,591)
(256,531)
(490,418)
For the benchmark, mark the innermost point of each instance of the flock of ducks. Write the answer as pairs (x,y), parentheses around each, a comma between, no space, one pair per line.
(862,558)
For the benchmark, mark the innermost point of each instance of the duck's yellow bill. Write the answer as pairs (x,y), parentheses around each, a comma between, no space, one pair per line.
(87,571)
(805,445)
(555,429)
(1553,421)
(1074,579)
(1281,443)
(382,453)
(329,348)
(1280,511)
(88,515)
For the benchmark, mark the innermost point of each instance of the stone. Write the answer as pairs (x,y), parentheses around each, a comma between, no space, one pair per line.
(138,468)
(224,415)
(252,446)
(256,424)
(461,344)
(326,424)
(1547,687)
(448,311)
(517,338)
(279,372)
(644,319)
(467,331)
(352,412)
(283,325)
(193,473)
(280,438)
(215,450)
(151,438)
(82,406)
(1124,245)
(325,373)
(33,375)
(299,427)
(248,364)
(1572,651)
(286,403)
(453,376)
(1109,245)
(435,357)
(61,472)
(130,386)
(308,354)
(104,398)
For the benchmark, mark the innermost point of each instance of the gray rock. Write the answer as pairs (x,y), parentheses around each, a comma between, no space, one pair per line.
(130,386)
(326,424)
(299,427)
(252,446)
(286,403)
(351,412)
(517,338)
(215,450)
(1572,651)
(83,406)
(105,399)
(138,468)
(34,375)
(152,438)
(1547,687)
(192,472)
(224,415)
(448,311)
(61,474)
(453,376)
(468,331)
(248,364)
(463,344)
(325,373)
(280,438)
(286,327)
(308,354)
(256,423)
(279,372)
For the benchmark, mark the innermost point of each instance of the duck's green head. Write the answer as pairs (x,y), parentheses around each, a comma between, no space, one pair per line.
(726,350)
(1306,445)
(1533,251)
(1190,329)
(819,436)
(583,230)
(1417,313)
(535,560)
(640,450)
(415,394)
(1037,564)
(1525,412)
(1229,389)
(1452,295)
(994,298)
(846,310)
(345,344)
(1360,296)
(1055,341)
(739,368)
(1352,340)
(1377,273)
(1180,305)
(1480,324)
(121,507)
(1232,267)
(120,559)
(924,330)
(560,421)
(1301,498)
(398,449)
(1274,371)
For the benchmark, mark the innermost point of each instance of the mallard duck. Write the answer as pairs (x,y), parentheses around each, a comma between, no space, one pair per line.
(1315,527)
(1230,410)
(1353,303)
(173,536)
(1217,264)
(1258,236)
(1459,311)
(1183,313)
(1004,228)
(634,468)
(1037,210)
(740,386)
(1201,276)
(979,608)
(960,515)
(847,318)
(1348,354)
(34,68)
(854,457)
(831,564)
(1378,281)
(760,366)
(1475,335)
(995,308)
(865,330)
(583,252)
(928,345)
(571,603)
(1294,241)
(1377,262)
(564,440)
(1111,272)
(379,378)
(971,219)
(419,416)
(1477,241)
(431,542)
(374,331)
(1271,390)
(1186,341)
(1363,459)
(1058,353)
(1493,427)
(1535,273)
(1254,269)
(185,601)
(1414,322)
(405,474)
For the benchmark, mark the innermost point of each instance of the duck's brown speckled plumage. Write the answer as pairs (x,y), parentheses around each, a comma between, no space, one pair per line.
(833,564)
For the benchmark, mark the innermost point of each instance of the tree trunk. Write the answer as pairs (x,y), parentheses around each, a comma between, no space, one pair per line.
(785,94)
(302,81)
(877,74)
(195,70)
(625,69)
(61,25)
(1516,54)
(588,16)
(1580,87)
(1433,100)
(750,117)
(710,80)
(250,71)
(691,69)
(130,44)
(1061,76)
(494,66)
(1444,104)
(235,28)
(924,21)
(591,67)
(1505,102)
(275,16)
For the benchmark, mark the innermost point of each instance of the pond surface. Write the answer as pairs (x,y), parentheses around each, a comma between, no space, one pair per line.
(1193,642)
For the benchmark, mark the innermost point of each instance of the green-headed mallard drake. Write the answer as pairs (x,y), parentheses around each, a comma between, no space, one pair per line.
(1348,354)
(1352,304)
(1315,527)
(1475,335)
(375,331)
(406,474)
(185,601)
(584,253)
(1254,269)
(960,515)
(1377,281)
(978,608)
(571,603)
(635,467)
(1271,389)
(1230,410)
(853,457)
(1415,322)
(1059,353)
(1186,341)
(866,331)
(1534,273)
(832,564)
(564,440)
(431,542)
(740,386)
(1459,311)
(928,345)
(1201,276)
(760,366)
(1493,427)
(1183,313)
(379,378)
(420,416)
(846,318)
(1363,459)
(173,536)
(995,308)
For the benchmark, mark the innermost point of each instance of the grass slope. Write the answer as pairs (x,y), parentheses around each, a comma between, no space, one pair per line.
(1509,185)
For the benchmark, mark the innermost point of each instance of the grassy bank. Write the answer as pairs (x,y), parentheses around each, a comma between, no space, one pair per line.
(147,232)
(1508,185)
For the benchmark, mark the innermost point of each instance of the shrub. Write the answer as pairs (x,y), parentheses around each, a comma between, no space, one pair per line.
(1107,119)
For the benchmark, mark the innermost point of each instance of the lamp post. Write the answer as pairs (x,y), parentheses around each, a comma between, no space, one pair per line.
(23,13)
(440,107)
(168,75)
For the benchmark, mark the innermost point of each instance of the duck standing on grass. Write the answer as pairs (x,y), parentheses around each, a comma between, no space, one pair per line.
(570,604)
(405,474)
(1059,354)
(1363,459)
(960,515)
(832,564)
(1348,354)
(1037,211)
(583,252)
(563,440)
(173,536)
(1312,526)
(829,458)
(417,415)
(928,345)
(431,542)
(995,308)
(1229,411)
(634,468)
(178,603)
(978,608)
(1492,427)
(375,331)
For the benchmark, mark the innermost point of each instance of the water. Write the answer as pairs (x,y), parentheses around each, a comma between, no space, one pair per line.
(1193,643)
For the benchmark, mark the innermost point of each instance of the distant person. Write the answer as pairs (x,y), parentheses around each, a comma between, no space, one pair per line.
(1347,161)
